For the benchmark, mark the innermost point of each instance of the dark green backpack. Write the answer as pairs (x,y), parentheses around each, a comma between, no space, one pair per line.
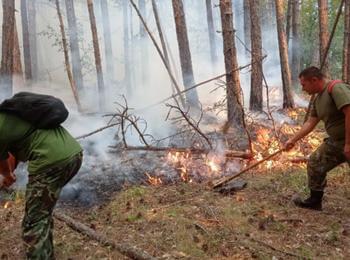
(42,111)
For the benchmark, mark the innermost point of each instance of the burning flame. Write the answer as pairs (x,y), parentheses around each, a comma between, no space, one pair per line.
(7,204)
(154,180)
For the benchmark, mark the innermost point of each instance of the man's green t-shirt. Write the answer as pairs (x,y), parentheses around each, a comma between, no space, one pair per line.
(40,147)
(327,107)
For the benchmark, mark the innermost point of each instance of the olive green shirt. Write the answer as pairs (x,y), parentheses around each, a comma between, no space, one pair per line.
(40,147)
(327,107)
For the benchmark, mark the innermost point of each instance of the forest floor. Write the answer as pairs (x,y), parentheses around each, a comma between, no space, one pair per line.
(190,221)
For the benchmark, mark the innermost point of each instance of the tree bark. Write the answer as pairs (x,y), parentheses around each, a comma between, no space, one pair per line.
(323,34)
(26,42)
(211,32)
(346,48)
(17,64)
(74,44)
(184,51)
(66,56)
(256,99)
(233,87)
(295,42)
(246,26)
(107,39)
(289,19)
(31,5)
(100,82)
(288,101)
(8,29)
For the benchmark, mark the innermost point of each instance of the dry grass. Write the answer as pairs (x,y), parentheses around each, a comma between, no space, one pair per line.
(190,221)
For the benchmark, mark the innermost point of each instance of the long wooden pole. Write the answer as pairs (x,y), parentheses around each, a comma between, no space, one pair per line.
(227,179)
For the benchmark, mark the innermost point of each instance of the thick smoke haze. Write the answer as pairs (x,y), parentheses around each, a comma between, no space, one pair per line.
(145,92)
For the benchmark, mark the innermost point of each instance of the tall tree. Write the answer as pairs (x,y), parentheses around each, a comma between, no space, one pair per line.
(288,101)
(323,33)
(126,45)
(8,29)
(31,5)
(144,44)
(107,38)
(66,56)
(26,42)
(246,25)
(184,51)
(256,99)
(211,32)
(233,86)
(289,19)
(100,82)
(17,65)
(295,42)
(346,43)
(74,44)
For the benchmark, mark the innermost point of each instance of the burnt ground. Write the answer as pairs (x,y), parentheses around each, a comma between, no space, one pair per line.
(190,221)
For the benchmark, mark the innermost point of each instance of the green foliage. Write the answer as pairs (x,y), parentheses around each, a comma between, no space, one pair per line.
(309,31)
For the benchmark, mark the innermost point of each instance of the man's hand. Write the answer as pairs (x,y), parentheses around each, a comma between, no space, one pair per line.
(288,145)
(347,151)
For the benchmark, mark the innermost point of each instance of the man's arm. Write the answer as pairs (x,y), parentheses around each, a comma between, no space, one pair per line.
(346,111)
(307,127)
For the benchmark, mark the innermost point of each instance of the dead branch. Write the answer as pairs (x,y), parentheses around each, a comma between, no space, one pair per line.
(228,153)
(130,251)
(166,64)
(277,250)
(191,122)
(96,131)
(122,116)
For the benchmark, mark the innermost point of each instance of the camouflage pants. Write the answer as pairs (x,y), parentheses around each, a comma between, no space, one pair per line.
(325,158)
(43,190)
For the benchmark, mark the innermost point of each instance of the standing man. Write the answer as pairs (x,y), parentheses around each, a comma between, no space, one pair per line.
(332,106)
(54,157)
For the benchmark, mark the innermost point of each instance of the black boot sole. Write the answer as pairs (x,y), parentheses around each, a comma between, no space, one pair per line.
(313,206)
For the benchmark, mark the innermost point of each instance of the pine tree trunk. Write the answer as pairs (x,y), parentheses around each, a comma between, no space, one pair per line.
(185,53)
(295,42)
(346,44)
(288,101)
(26,42)
(126,44)
(107,38)
(17,64)
(256,99)
(211,32)
(143,46)
(66,56)
(324,35)
(289,19)
(233,87)
(8,28)
(74,45)
(246,26)
(31,5)
(100,82)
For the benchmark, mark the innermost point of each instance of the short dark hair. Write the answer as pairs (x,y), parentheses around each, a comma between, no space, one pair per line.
(311,72)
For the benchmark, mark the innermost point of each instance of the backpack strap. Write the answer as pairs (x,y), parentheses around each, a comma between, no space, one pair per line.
(332,84)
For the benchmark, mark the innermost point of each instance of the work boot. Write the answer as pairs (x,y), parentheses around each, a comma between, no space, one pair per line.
(313,202)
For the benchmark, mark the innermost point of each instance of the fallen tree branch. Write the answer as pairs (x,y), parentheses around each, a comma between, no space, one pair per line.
(127,250)
(228,153)
(276,249)
(96,131)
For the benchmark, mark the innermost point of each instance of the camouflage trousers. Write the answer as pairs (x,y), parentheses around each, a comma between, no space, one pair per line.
(325,158)
(43,190)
